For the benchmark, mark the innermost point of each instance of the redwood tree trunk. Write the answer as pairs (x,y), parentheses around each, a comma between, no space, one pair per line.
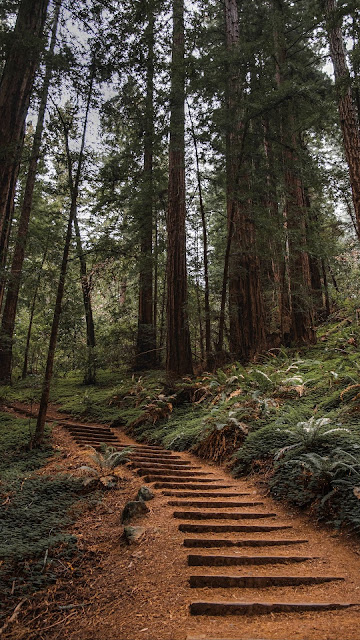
(15,89)
(247,318)
(297,313)
(178,353)
(349,118)
(8,319)
(146,357)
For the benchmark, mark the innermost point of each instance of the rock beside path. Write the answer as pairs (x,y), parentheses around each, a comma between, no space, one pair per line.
(145,494)
(132,509)
(134,535)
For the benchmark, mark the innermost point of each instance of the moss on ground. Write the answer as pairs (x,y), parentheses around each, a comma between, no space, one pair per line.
(35,512)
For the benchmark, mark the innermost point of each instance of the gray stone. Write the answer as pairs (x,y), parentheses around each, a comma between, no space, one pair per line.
(132,509)
(134,535)
(145,494)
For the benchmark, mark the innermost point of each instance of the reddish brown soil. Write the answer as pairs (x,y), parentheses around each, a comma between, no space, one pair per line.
(117,592)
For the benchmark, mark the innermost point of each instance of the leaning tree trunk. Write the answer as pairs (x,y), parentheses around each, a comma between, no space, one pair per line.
(349,118)
(247,318)
(44,401)
(15,89)
(146,355)
(178,353)
(9,315)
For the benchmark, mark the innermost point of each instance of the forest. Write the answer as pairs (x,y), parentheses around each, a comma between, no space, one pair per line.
(179,261)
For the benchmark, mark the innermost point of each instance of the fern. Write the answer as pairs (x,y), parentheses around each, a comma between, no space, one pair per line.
(108,458)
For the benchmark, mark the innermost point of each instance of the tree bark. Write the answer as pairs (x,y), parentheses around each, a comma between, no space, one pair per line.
(32,313)
(178,353)
(247,318)
(40,424)
(349,118)
(9,314)
(5,236)
(146,355)
(15,89)
(297,312)
(90,370)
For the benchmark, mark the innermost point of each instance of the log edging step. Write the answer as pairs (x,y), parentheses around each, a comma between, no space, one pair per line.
(221,515)
(216,528)
(197,560)
(185,485)
(260,608)
(218,542)
(174,473)
(254,582)
(213,505)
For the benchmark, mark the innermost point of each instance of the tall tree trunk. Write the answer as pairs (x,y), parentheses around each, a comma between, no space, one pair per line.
(5,236)
(90,370)
(40,424)
(275,238)
(90,367)
(298,323)
(8,319)
(15,89)
(178,353)
(146,342)
(247,318)
(32,313)
(205,248)
(302,316)
(349,118)
(326,288)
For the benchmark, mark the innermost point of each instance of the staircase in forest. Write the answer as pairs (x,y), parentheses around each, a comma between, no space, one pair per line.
(240,553)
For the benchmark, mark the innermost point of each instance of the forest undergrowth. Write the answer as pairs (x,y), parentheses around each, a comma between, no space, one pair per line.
(291,419)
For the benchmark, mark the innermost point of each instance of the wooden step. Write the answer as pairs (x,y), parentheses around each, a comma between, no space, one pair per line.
(226,528)
(245,542)
(213,505)
(260,608)
(177,479)
(146,450)
(257,582)
(139,457)
(162,465)
(185,485)
(93,441)
(171,472)
(221,515)
(231,561)
(96,444)
(92,431)
(204,494)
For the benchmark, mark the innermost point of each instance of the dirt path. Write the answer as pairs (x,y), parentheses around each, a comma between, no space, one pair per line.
(224,549)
